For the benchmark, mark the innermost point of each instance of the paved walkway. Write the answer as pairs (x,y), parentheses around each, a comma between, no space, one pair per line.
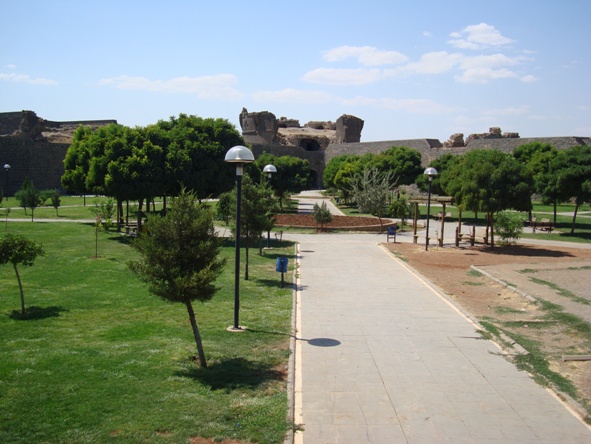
(383,357)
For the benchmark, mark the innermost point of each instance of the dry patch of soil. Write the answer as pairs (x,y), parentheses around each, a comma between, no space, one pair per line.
(487,301)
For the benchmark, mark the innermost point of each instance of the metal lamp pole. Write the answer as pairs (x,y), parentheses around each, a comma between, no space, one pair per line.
(431,172)
(6,169)
(239,155)
(269,169)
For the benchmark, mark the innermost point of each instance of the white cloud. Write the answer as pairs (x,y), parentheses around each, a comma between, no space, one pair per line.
(219,86)
(11,66)
(293,96)
(488,61)
(24,78)
(529,78)
(366,55)
(483,75)
(430,63)
(418,106)
(335,76)
(483,68)
(479,36)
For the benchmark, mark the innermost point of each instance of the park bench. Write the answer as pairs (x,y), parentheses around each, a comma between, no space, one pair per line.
(544,225)
(471,236)
(439,216)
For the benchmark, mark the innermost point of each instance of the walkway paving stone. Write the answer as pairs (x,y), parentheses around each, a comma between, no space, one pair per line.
(383,357)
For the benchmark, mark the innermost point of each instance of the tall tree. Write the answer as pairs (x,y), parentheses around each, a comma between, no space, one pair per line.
(17,249)
(333,167)
(292,176)
(489,181)
(195,149)
(77,162)
(571,170)
(402,163)
(537,157)
(180,257)
(258,206)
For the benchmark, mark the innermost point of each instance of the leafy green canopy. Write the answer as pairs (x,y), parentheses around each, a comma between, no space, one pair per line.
(488,181)
(570,173)
(140,163)
(180,253)
(401,164)
(292,176)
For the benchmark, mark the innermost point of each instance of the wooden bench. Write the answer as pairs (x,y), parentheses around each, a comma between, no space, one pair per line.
(472,235)
(544,225)
(439,216)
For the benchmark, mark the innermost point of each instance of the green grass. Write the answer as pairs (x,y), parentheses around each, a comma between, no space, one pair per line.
(474,273)
(72,207)
(99,359)
(536,361)
(561,291)
(563,223)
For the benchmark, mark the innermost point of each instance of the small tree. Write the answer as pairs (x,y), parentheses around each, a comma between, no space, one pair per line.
(180,257)
(509,226)
(54,195)
(258,205)
(372,190)
(322,215)
(29,197)
(224,206)
(17,249)
(106,210)
(400,209)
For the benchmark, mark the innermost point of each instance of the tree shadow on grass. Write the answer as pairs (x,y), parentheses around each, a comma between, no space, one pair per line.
(34,313)
(234,373)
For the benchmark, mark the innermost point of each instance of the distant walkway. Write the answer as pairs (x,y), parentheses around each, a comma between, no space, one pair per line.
(307,199)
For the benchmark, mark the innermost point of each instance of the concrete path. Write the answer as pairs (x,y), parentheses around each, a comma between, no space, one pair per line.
(307,199)
(383,357)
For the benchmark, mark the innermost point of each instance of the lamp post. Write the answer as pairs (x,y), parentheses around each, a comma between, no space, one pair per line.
(269,169)
(239,155)
(6,169)
(431,172)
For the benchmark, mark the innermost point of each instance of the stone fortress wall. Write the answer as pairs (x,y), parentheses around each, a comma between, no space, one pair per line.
(319,142)
(36,148)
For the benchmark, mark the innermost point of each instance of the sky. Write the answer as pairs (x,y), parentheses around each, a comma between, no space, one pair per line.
(409,69)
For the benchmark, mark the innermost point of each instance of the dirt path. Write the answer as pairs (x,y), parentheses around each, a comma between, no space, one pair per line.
(561,276)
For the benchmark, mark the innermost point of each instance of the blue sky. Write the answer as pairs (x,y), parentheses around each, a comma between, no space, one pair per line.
(409,69)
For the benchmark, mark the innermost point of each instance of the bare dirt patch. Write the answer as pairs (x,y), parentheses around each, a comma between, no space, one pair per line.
(488,301)
(307,221)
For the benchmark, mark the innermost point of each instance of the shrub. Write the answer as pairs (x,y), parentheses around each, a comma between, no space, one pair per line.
(321,214)
(509,226)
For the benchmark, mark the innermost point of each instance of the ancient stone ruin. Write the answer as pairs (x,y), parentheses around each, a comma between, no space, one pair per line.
(263,128)
(457,140)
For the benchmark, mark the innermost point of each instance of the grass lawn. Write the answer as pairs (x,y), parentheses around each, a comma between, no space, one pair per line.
(563,223)
(99,359)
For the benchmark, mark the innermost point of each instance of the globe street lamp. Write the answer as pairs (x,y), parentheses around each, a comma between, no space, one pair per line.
(6,169)
(431,172)
(239,155)
(269,169)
